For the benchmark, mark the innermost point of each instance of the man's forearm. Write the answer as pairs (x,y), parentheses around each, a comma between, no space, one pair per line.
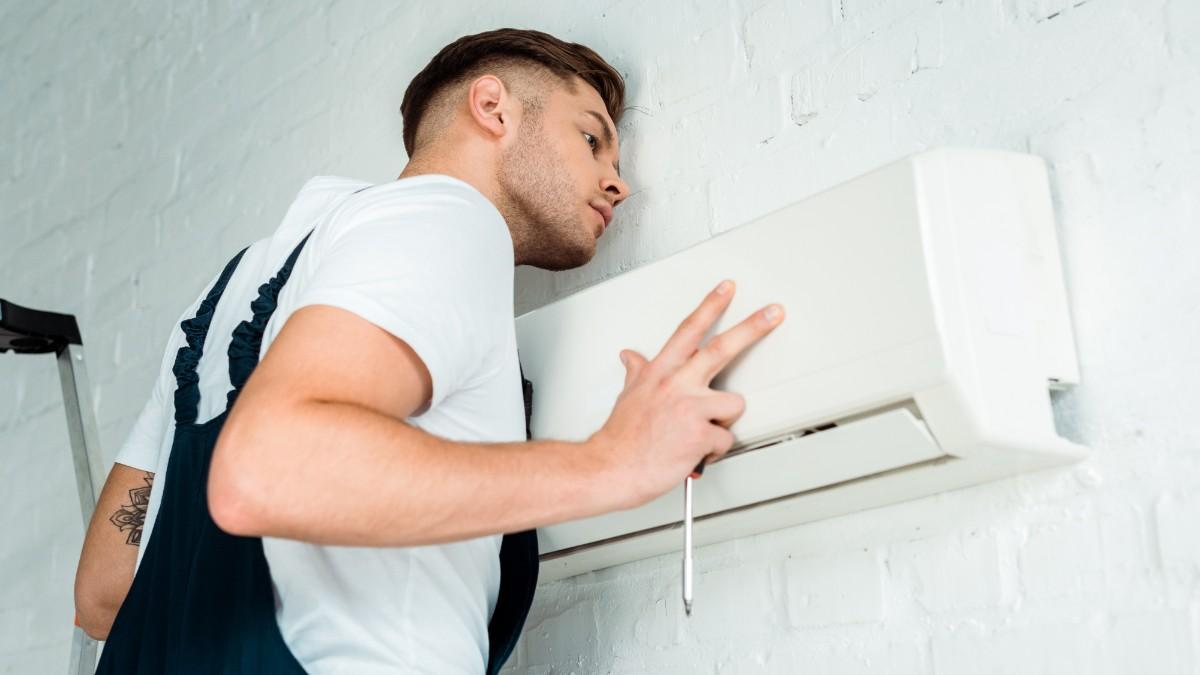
(341,474)
(110,547)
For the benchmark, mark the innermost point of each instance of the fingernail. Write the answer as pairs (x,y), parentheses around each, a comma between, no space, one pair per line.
(773,313)
(723,288)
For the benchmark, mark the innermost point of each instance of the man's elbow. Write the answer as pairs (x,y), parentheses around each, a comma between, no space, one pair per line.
(94,613)
(234,497)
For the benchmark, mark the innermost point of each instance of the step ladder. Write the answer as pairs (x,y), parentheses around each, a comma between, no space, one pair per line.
(31,331)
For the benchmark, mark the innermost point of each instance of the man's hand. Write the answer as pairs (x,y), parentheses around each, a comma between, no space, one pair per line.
(667,419)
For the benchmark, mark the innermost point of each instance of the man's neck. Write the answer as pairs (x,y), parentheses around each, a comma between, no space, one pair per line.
(483,181)
(475,174)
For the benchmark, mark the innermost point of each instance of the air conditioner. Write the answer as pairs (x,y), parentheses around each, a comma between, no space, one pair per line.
(926,321)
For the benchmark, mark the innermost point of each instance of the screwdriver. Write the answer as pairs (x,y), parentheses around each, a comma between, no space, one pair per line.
(687,537)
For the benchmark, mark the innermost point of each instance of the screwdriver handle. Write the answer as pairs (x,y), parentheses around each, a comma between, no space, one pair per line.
(699,470)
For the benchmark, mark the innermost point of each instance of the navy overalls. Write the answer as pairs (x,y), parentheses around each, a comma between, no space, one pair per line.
(202,601)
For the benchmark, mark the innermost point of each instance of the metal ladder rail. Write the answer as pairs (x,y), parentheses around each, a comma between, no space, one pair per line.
(31,331)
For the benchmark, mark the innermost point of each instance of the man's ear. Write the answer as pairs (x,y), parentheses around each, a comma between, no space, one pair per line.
(490,105)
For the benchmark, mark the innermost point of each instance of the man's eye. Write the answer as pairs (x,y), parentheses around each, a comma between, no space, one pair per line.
(591,140)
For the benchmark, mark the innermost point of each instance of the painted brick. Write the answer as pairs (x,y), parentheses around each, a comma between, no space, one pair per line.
(541,632)
(863,656)
(743,592)
(946,578)
(781,32)
(1043,574)
(1178,521)
(1047,648)
(834,589)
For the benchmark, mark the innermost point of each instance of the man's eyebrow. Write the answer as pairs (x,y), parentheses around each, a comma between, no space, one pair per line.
(607,135)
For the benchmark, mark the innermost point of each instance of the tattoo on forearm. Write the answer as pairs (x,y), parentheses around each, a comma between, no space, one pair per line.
(132,516)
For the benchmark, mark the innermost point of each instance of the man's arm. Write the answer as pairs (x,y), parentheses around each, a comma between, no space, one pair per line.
(316,449)
(110,548)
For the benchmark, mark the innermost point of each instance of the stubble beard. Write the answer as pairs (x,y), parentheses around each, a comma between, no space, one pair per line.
(539,204)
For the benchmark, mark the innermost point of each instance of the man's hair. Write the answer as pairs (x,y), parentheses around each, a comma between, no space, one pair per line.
(502,51)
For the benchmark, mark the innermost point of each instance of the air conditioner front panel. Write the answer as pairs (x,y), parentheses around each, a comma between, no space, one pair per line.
(865,446)
(849,267)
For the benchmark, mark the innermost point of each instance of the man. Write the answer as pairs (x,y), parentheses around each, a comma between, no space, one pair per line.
(346,515)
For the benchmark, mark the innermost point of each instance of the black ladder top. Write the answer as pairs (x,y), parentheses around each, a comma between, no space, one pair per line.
(33,331)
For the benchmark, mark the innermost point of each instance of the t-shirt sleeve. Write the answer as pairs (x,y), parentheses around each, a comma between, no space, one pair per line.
(430,275)
(141,448)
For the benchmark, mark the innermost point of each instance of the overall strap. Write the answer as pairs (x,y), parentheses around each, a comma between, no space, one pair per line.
(187,382)
(518,573)
(247,337)
(527,396)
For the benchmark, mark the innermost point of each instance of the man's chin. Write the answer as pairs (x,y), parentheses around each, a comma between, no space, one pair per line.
(586,253)
(569,259)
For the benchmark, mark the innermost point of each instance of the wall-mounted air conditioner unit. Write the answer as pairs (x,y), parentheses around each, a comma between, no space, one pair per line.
(926,321)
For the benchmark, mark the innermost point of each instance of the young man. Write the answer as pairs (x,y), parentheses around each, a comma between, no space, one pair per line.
(347,514)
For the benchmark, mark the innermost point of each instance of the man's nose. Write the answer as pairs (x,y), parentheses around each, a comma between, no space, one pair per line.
(616,188)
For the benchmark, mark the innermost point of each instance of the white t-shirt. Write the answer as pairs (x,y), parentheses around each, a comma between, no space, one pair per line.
(429,259)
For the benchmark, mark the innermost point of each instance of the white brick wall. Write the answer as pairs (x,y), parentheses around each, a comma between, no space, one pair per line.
(145,143)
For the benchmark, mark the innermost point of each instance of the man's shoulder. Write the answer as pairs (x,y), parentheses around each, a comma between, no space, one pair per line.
(431,211)
(430,196)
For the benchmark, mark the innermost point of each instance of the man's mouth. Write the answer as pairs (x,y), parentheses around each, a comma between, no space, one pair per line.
(605,215)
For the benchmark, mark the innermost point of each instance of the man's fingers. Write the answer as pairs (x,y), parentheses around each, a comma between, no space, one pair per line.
(721,440)
(724,408)
(634,362)
(686,339)
(718,352)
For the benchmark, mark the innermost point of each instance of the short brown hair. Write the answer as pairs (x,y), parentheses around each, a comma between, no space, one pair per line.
(472,54)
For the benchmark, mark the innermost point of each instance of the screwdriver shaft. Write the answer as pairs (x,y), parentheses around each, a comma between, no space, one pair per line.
(687,545)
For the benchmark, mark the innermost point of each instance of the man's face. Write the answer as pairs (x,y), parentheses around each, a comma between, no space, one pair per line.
(560,179)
